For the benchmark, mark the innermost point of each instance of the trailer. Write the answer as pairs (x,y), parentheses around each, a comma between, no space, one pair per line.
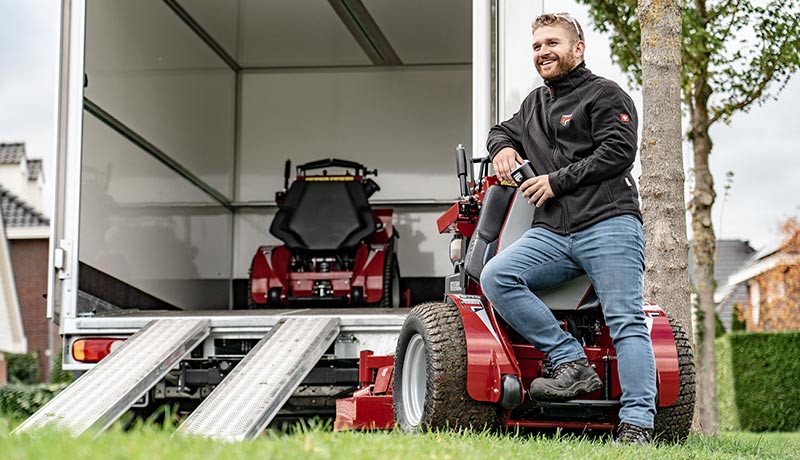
(175,118)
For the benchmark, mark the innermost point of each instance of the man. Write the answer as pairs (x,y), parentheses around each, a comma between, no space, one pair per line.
(579,133)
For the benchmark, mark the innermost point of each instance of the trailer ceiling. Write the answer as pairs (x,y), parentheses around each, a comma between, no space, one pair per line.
(321,33)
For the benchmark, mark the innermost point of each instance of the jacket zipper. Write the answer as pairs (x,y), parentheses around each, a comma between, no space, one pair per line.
(564,209)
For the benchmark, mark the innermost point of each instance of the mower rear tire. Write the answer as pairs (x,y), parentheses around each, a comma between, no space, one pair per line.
(430,374)
(672,424)
(252,304)
(390,297)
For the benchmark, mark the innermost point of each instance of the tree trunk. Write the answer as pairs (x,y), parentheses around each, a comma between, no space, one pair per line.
(704,249)
(662,182)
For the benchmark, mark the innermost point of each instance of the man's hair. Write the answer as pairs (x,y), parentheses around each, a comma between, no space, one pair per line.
(563,20)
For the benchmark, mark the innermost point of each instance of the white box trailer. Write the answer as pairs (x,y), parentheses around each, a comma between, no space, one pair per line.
(175,119)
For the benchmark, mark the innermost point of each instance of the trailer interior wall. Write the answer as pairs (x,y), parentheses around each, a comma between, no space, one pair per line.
(141,222)
(291,81)
(403,121)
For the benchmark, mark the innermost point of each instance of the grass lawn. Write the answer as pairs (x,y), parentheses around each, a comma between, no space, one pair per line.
(156,443)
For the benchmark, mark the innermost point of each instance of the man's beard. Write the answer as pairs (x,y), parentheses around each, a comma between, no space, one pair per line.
(563,66)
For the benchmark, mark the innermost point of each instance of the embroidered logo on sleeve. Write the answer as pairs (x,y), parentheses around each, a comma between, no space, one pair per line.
(565,119)
(624,117)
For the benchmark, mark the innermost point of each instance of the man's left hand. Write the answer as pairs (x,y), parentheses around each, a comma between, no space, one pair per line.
(537,190)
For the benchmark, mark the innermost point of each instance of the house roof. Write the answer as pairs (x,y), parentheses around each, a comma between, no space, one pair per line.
(18,213)
(11,153)
(731,256)
(14,153)
(759,265)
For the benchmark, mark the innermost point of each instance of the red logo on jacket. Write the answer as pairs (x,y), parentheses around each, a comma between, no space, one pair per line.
(565,119)
(624,117)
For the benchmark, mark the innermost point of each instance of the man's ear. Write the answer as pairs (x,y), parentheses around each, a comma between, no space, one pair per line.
(579,48)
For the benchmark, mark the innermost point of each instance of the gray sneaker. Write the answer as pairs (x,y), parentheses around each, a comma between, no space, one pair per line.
(568,381)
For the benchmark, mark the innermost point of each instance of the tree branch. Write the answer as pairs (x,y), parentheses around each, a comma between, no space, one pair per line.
(727,32)
(753,96)
(614,17)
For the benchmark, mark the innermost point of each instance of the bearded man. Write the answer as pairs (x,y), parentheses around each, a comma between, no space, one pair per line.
(579,133)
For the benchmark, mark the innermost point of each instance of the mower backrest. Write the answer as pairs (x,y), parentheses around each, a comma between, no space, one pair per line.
(483,244)
(324,216)
(505,217)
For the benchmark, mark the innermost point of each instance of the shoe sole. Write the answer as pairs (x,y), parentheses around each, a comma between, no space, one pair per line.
(577,389)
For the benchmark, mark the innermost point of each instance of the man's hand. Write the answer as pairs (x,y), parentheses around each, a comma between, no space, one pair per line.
(537,190)
(504,162)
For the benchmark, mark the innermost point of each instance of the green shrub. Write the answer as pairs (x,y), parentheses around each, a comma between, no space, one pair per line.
(23,368)
(58,374)
(738,322)
(726,402)
(759,381)
(19,400)
(700,329)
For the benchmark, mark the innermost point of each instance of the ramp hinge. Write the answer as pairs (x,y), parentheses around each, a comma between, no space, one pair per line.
(61,260)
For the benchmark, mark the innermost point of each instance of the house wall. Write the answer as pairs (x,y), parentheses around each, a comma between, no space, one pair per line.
(779,300)
(14,177)
(29,259)
(3,369)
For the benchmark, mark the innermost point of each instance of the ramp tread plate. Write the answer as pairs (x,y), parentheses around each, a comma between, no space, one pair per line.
(247,399)
(103,393)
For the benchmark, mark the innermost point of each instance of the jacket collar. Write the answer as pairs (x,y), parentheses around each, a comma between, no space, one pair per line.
(571,80)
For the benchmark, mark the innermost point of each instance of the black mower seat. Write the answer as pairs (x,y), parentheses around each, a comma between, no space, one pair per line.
(505,216)
(483,245)
(324,216)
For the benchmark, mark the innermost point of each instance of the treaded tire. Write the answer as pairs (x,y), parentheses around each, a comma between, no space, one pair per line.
(673,423)
(252,304)
(390,297)
(445,403)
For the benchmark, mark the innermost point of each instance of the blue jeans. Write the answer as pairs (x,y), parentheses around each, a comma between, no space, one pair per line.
(611,252)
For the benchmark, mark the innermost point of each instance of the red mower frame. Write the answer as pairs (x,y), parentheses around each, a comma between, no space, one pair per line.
(479,368)
(352,264)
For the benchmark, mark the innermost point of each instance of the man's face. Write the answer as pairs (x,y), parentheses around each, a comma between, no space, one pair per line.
(554,54)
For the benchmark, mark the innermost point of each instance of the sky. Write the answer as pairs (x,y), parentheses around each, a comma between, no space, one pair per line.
(760,148)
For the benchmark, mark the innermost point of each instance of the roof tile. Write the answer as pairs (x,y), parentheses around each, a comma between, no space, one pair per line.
(11,153)
(18,213)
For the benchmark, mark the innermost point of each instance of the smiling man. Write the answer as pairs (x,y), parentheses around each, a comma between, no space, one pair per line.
(579,133)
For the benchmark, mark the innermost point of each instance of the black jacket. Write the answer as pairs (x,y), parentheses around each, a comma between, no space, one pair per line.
(581,131)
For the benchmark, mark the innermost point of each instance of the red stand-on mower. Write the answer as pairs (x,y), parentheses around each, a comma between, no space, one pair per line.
(337,250)
(459,365)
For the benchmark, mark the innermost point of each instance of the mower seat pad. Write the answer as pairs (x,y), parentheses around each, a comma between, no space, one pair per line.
(505,216)
(324,216)
(483,245)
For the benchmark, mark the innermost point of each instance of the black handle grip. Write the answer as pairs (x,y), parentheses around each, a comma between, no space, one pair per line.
(461,169)
(287,170)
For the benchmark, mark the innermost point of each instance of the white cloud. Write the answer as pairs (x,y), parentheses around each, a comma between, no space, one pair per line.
(29,37)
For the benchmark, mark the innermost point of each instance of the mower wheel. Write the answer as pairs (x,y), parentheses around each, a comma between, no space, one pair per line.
(252,304)
(391,279)
(672,424)
(430,374)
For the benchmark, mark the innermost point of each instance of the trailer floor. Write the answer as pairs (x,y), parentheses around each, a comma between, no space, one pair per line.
(310,311)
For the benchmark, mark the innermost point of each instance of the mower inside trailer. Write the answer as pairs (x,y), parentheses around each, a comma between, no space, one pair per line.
(337,250)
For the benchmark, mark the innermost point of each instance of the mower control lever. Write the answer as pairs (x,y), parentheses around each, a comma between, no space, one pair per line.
(461,169)
(287,170)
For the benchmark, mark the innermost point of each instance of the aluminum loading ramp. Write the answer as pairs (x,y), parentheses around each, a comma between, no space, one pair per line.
(106,391)
(248,399)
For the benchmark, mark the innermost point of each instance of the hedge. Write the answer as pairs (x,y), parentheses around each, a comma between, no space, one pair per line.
(20,401)
(23,368)
(758,381)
